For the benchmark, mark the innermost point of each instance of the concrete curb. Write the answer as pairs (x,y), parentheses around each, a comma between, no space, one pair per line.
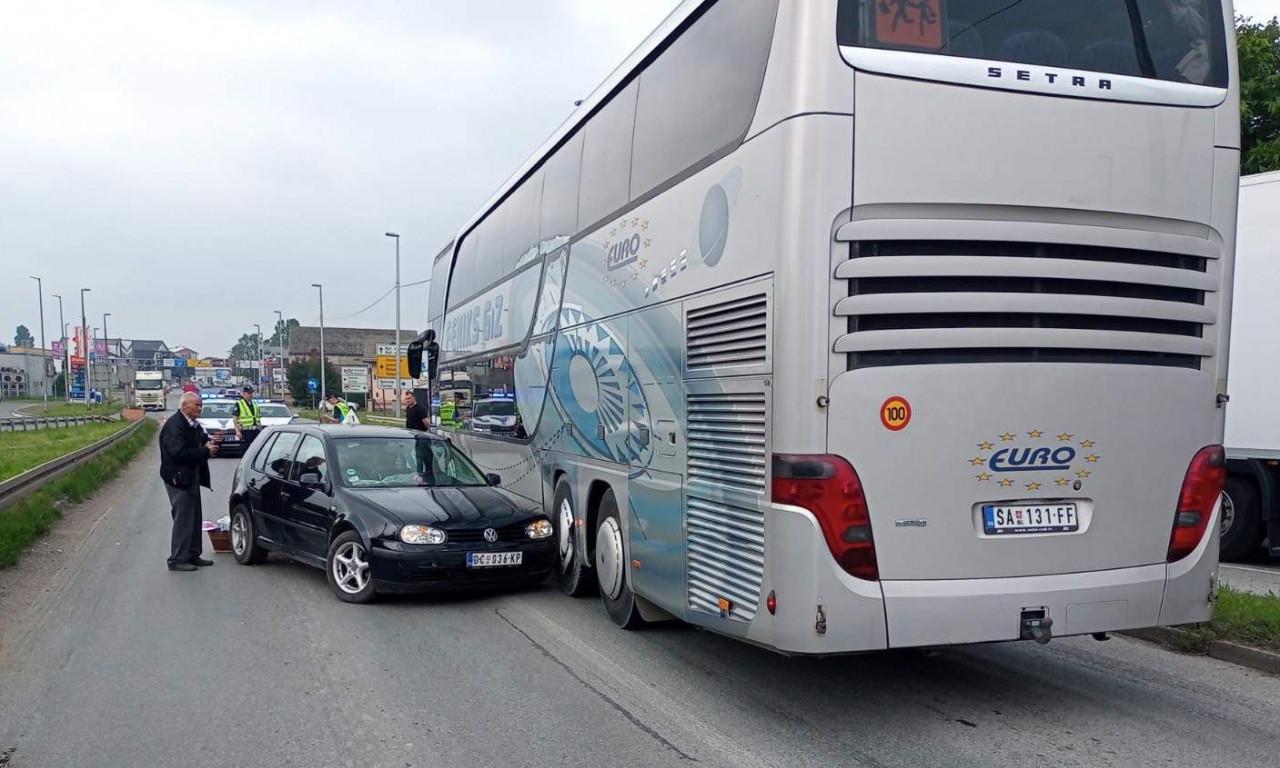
(1223,650)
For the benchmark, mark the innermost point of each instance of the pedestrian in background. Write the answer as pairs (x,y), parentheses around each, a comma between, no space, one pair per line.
(416,416)
(247,419)
(185,449)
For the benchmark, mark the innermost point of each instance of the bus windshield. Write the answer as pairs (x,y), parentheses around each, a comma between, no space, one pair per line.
(1176,40)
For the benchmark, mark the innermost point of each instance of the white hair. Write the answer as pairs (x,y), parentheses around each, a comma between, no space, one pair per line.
(188,397)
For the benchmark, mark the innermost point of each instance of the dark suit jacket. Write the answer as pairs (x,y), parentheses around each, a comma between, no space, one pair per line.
(184,459)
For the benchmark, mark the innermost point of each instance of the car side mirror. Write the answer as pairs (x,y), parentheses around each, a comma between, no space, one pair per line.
(311,480)
(493,479)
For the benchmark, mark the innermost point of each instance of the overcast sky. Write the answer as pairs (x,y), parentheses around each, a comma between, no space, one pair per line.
(199,164)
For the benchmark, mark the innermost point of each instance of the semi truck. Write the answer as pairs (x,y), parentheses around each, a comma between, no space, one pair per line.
(1251,501)
(149,390)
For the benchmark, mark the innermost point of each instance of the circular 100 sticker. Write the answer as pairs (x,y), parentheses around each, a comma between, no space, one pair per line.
(895,413)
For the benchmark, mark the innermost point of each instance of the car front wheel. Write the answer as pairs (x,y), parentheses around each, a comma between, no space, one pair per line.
(348,568)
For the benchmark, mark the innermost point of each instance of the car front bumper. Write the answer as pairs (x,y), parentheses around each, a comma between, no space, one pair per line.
(399,567)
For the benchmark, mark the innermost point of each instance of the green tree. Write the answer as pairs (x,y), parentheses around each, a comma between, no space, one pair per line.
(246,348)
(282,330)
(299,371)
(23,337)
(1259,49)
(60,385)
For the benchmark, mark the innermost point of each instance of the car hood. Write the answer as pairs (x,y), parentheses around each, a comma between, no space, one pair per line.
(448,508)
(211,423)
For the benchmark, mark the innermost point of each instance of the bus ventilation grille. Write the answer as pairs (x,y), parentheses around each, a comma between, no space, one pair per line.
(724,522)
(726,434)
(729,333)
(914,302)
(725,557)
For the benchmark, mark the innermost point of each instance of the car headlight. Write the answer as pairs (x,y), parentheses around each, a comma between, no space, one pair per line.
(538,529)
(422,534)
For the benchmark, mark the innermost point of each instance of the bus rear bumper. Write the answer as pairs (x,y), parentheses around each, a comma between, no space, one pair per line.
(955,611)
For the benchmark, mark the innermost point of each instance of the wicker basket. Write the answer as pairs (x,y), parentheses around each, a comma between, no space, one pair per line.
(221,541)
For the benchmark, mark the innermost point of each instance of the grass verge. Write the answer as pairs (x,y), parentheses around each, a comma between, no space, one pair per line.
(1238,617)
(20,451)
(33,516)
(75,409)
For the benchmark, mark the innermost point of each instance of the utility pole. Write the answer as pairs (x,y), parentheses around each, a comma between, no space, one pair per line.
(84,329)
(258,327)
(44,352)
(282,327)
(106,340)
(399,394)
(66,353)
(322,390)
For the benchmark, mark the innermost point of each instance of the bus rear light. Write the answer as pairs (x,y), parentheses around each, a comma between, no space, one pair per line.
(1201,487)
(828,486)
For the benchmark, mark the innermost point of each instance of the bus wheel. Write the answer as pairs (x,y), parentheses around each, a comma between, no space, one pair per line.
(611,567)
(572,571)
(1241,522)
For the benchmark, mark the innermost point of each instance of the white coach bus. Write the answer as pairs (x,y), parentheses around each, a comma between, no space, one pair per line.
(842,325)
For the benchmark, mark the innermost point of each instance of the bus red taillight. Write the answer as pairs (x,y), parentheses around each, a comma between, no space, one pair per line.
(828,486)
(1201,487)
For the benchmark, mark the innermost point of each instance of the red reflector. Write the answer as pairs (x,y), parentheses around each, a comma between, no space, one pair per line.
(771,602)
(828,486)
(1201,487)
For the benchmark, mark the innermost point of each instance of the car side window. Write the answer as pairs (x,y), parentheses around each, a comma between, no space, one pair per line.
(311,460)
(260,460)
(279,453)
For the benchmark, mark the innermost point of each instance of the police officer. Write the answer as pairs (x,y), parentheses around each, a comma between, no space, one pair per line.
(337,411)
(247,418)
(448,412)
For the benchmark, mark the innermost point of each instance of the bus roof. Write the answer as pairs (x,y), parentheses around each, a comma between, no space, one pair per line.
(589,106)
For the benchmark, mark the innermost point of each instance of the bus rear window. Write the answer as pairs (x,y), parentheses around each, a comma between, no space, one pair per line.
(1176,40)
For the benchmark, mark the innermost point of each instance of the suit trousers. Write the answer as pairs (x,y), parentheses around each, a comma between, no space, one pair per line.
(186,542)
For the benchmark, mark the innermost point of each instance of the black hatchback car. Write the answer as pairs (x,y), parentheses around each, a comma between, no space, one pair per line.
(383,510)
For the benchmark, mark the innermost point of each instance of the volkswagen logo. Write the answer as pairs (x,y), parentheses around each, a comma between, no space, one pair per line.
(490,535)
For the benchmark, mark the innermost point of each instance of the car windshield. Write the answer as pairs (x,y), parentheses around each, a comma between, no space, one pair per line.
(148,384)
(1177,40)
(274,411)
(403,462)
(495,408)
(219,410)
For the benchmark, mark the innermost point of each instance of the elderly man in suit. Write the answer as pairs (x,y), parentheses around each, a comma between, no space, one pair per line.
(185,449)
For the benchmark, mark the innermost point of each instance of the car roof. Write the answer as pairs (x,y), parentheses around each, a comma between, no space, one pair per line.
(337,431)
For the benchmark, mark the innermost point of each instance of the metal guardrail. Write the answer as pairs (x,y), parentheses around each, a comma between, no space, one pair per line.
(20,485)
(26,423)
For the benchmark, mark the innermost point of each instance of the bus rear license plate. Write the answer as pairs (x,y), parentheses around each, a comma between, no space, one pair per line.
(1002,520)
(492,559)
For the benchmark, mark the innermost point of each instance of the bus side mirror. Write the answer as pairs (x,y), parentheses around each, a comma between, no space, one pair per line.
(424,343)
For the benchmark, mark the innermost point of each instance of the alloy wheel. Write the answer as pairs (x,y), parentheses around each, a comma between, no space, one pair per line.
(351,568)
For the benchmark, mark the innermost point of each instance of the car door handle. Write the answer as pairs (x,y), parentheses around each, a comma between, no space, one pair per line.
(253,482)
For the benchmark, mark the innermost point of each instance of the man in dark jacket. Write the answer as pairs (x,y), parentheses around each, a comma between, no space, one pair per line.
(184,466)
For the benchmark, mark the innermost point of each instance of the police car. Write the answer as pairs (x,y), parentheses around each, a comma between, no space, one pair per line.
(218,414)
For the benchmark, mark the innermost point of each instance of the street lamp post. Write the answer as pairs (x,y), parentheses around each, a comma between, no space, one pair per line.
(281,327)
(44,353)
(66,368)
(258,328)
(84,329)
(106,340)
(399,394)
(321,289)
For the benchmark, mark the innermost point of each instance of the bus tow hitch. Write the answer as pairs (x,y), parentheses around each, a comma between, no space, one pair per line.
(1037,625)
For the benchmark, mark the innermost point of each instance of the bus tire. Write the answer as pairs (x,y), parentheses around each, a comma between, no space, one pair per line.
(1241,519)
(572,572)
(612,567)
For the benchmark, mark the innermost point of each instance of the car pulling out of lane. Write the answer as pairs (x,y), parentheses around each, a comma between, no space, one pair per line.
(383,510)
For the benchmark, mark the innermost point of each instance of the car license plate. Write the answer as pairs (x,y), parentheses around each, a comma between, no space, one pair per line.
(1001,520)
(491,559)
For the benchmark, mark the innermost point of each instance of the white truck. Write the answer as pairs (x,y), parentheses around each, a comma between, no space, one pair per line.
(149,390)
(1251,506)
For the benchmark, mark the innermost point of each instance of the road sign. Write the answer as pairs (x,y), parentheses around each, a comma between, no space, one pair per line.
(312,385)
(355,379)
(386,367)
(390,349)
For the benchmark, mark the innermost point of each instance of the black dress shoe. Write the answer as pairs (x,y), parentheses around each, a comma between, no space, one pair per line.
(181,567)
(200,562)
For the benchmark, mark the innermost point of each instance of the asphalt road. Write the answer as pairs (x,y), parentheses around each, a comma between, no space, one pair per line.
(119,662)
